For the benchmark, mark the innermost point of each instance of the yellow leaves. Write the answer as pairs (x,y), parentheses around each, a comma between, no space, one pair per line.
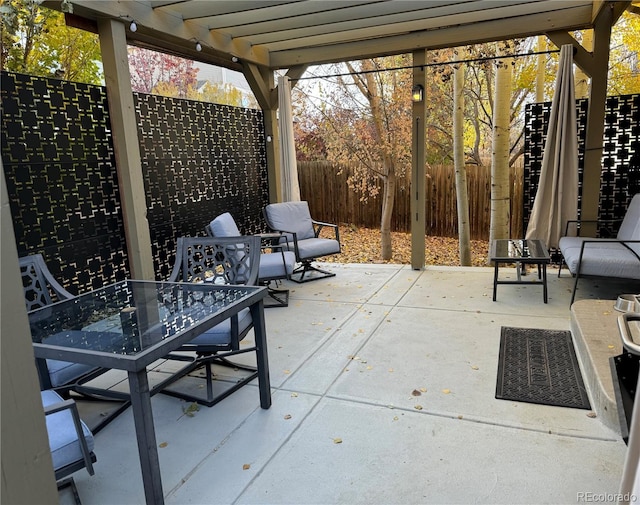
(417,407)
(337,440)
(475,367)
(294,395)
(592,415)
(287,417)
(611,346)
(162,445)
(446,391)
(246,466)
(190,410)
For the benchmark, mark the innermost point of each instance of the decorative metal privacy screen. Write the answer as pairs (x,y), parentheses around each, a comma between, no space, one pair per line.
(198,160)
(61,178)
(620,178)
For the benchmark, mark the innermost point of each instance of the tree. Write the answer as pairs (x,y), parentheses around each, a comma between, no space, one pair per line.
(222,93)
(161,73)
(462,198)
(500,190)
(370,123)
(36,41)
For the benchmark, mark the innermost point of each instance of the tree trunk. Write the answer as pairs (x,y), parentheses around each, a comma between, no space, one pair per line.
(540,68)
(500,191)
(388,196)
(462,199)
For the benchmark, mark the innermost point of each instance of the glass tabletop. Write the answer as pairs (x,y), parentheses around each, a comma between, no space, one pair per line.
(130,317)
(518,249)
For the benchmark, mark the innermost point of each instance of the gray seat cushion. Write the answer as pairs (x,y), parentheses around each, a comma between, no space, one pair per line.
(63,440)
(604,258)
(276,265)
(316,247)
(220,335)
(64,372)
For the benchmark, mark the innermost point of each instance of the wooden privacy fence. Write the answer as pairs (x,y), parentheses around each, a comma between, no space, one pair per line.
(324,185)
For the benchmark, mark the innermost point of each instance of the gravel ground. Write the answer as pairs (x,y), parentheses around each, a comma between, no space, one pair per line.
(362,245)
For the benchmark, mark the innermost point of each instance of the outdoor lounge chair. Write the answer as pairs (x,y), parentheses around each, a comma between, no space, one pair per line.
(70,440)
(302,235)
(41,289)
(603,257)
(274,266)
(219,260)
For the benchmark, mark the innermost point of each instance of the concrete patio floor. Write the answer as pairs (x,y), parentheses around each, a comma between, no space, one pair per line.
(347,359)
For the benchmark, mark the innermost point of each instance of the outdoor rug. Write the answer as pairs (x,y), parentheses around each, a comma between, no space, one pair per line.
(540,366)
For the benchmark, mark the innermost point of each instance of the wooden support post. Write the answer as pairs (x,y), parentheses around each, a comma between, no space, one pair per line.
(417,165)
(113,45)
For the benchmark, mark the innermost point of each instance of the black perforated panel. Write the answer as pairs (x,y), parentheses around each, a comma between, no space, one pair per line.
(199,160)
(59,165)
(620,178)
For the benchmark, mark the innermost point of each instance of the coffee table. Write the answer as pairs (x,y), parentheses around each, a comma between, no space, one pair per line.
(521,252)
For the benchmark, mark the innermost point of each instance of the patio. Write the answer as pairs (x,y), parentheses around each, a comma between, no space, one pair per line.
(345,427)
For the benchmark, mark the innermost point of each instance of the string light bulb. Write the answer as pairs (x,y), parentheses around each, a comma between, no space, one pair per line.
(198,46)
(133,26)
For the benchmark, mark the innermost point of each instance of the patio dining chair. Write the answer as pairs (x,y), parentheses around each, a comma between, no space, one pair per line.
(70,440)
(218,260)
(41,289)
(275,266)
(301,234)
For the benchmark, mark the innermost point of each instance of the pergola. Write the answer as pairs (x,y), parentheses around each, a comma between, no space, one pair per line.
(258,38)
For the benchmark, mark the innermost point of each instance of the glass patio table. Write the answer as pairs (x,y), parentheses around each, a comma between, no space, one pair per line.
(522,253)
(129,325)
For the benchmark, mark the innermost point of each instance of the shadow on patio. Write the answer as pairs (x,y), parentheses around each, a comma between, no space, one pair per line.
(344,426)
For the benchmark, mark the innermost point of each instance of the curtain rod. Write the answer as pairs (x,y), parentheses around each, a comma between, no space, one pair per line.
(471,60)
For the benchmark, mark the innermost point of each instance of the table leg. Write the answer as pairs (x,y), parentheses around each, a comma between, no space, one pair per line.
(495,279)
(146,437)
(257,315)
(544,281)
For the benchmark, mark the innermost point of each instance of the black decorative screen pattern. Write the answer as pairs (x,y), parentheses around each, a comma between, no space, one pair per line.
(199,160)
(620,178)
(59,165)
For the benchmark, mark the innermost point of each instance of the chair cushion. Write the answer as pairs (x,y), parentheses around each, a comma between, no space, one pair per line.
(274,266)
(292,217)
(315,247)
(604,258)
(63,440)
(224,226)
(630,227)
(220,335)
(64,372)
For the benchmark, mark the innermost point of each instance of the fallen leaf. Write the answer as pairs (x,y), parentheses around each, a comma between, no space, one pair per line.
(246,466)
(286,372)
(390,369)
(417,407)
(611,346)
(337,440)
(288,416)
(446,391)
(415,392)
(395,418)
(163,445)
(294,395)
(592,414)
(474,367)
(424,390)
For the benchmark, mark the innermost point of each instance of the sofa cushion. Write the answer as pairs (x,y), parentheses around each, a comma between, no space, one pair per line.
(630,227)
(316,247)
(602,257)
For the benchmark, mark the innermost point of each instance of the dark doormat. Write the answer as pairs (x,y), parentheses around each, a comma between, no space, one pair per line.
(540,366)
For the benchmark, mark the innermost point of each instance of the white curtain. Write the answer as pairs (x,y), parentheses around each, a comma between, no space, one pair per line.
(288,164)
(556,199)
